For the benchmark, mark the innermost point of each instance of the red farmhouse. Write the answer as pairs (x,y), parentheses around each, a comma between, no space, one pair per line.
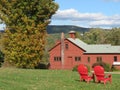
(70,52)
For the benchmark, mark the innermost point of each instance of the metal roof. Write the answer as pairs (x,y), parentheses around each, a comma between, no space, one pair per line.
(95,48)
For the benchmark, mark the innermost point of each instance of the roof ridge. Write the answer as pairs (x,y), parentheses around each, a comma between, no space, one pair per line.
(95,48)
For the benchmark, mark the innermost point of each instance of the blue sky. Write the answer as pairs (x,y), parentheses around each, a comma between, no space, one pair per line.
(88,13)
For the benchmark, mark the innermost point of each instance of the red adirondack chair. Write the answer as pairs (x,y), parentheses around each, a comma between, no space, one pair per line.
(83,71)
(100,76)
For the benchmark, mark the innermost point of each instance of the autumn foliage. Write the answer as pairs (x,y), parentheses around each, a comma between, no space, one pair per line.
(25,32)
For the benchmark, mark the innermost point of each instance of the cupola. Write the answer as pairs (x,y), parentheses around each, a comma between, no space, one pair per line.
(72,34)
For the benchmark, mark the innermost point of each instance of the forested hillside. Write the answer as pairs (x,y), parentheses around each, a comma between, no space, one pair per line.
(51,29)
(92,36)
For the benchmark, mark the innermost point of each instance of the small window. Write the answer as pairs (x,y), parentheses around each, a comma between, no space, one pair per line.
(115,58)
(57,58)
(89,59)
(66,46)
(77,58)
(99,59)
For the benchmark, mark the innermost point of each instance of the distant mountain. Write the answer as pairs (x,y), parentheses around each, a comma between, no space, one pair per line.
(52,29)
(65,28)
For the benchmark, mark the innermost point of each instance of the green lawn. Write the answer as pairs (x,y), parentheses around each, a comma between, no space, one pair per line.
(28,79)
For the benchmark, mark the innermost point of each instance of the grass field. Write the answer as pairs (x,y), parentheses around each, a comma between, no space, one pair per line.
(28,79)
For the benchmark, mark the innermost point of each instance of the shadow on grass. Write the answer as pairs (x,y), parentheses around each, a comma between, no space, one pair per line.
(42,66)
(89,82)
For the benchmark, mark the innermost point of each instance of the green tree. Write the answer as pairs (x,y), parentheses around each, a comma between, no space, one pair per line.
(114,36)
(79,35)
(26,22)
(95,36)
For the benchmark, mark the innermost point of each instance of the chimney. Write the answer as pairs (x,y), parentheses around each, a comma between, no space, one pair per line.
(72,34)
(62,50)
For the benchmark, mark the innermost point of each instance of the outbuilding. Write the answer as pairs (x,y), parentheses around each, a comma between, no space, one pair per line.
(69,52)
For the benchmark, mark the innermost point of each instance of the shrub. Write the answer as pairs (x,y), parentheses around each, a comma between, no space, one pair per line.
(104,65)
(41,66)
(88,67)
(1,58)
(75,68)
(114,68)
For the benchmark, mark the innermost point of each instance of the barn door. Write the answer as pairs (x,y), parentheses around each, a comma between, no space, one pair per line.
(69,62)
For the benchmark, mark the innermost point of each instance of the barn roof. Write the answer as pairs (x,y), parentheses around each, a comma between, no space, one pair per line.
(97,48)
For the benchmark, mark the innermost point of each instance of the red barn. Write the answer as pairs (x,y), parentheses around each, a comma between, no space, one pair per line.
(69,52)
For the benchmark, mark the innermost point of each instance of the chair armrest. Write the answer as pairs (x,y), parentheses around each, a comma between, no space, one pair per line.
(108,75)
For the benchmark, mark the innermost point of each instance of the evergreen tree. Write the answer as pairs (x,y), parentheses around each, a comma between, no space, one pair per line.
(25,33)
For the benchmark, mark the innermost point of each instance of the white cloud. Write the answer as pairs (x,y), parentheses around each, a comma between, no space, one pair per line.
(105,23)
(90,19)
(72,14)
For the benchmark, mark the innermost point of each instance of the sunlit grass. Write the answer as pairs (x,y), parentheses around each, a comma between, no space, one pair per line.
(29,79)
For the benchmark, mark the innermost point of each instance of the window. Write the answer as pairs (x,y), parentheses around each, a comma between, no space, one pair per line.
(77,58)
(66,46)
(57,58)
(115,58)
(99,59)
(89,59)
